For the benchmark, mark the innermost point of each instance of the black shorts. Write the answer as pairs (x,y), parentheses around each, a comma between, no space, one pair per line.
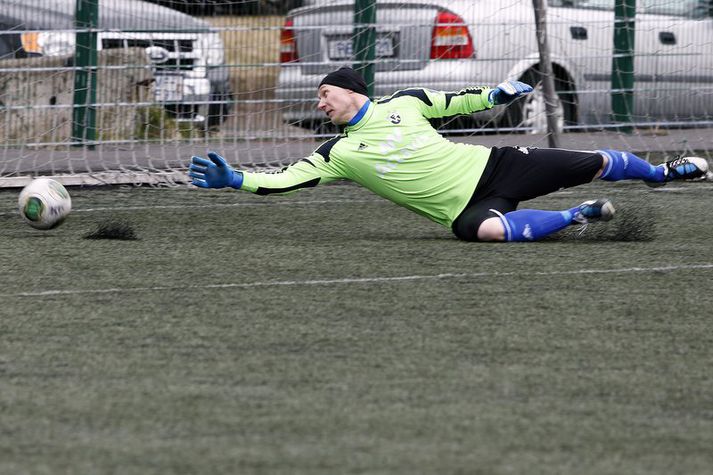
(519,174)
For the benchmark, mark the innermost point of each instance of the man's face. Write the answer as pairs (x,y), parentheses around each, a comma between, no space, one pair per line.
(338,103)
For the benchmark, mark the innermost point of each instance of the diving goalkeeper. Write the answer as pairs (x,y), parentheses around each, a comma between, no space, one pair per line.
(389,147)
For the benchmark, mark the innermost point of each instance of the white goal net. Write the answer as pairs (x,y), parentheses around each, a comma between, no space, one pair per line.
(99,91)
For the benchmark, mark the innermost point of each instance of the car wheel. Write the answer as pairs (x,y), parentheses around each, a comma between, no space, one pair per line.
(317,126)
(221,105)
(529,113)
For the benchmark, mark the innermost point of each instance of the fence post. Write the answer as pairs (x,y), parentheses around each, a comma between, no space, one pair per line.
(84,115)
(548,82)
(365,40)
(622,79)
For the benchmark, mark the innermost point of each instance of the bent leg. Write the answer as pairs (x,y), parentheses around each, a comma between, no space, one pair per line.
(469,223)
(521,174)
(526,224)
(491,230)
(532,224)
(498,220)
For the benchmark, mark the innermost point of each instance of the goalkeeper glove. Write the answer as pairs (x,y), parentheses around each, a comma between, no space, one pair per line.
(214,172)
(508,91)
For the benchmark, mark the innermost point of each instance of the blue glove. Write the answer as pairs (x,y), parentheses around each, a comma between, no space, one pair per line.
(508,91)
(214,173)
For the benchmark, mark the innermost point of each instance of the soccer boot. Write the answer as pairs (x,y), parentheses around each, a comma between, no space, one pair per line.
(594,210)
(682,168)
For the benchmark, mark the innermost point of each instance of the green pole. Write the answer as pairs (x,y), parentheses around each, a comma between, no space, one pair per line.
(365,40)
(622,79)
(84,117)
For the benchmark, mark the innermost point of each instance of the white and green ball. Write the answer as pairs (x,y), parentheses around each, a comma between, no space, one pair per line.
(44,203)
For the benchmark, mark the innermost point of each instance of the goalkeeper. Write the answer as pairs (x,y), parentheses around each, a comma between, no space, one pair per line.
(389,147)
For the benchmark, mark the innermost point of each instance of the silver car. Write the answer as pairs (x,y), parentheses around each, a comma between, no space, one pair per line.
(187,56)
(451,44)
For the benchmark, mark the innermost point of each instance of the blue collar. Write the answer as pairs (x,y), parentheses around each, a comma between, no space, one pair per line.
(359,115)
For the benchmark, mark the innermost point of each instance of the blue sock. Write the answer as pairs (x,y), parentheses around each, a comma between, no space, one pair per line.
(533,224)
(627,166)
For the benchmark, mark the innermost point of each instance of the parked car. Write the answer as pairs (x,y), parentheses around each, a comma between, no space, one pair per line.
(187,55)
(231,7)
(451,44)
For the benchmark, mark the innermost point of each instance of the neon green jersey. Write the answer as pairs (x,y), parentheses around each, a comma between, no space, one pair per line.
(395,152)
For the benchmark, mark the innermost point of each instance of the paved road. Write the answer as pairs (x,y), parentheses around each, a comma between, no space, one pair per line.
(16,165)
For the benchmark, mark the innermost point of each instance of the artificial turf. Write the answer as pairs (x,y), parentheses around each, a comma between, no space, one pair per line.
(333,332)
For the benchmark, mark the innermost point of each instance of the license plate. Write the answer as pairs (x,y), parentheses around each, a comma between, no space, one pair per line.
(344,49)
(168,88)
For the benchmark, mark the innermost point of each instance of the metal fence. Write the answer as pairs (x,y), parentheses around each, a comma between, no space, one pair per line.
(93,87)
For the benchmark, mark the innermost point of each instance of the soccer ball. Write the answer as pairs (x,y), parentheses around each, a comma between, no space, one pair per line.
(44,203)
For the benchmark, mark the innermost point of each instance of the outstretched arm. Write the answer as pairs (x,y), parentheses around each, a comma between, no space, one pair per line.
(214,172)
(508,91)
(435,104)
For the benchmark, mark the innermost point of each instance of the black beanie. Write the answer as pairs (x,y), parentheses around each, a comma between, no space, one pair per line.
(348,79)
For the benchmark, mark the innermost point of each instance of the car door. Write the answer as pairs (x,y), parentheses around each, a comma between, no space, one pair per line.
(581,34)
(582,31)
(682,35)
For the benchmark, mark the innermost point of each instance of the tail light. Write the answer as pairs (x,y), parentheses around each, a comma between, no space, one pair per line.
(288,45)
(451,38)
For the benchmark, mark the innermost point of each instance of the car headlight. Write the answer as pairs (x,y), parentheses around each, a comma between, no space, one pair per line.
(211,49)
(48,43)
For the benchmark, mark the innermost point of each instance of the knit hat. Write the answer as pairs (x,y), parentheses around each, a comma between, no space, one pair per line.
(347,78)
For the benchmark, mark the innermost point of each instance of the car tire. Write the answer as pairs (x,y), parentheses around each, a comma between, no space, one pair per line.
(221,105)
(317,126)
(528,113)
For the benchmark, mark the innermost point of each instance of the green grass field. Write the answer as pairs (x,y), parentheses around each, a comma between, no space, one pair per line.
(333,332)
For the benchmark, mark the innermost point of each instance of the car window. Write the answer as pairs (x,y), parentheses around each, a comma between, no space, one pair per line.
(689,8)
(590,4)
(6,52)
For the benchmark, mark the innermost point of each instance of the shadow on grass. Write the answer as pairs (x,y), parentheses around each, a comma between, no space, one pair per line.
(120,230)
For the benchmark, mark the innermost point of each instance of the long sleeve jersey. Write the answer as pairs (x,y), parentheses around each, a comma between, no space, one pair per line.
(395,152)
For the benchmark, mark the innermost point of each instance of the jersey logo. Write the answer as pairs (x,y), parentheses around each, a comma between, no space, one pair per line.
(395,118)
(395,150)
(362,146)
